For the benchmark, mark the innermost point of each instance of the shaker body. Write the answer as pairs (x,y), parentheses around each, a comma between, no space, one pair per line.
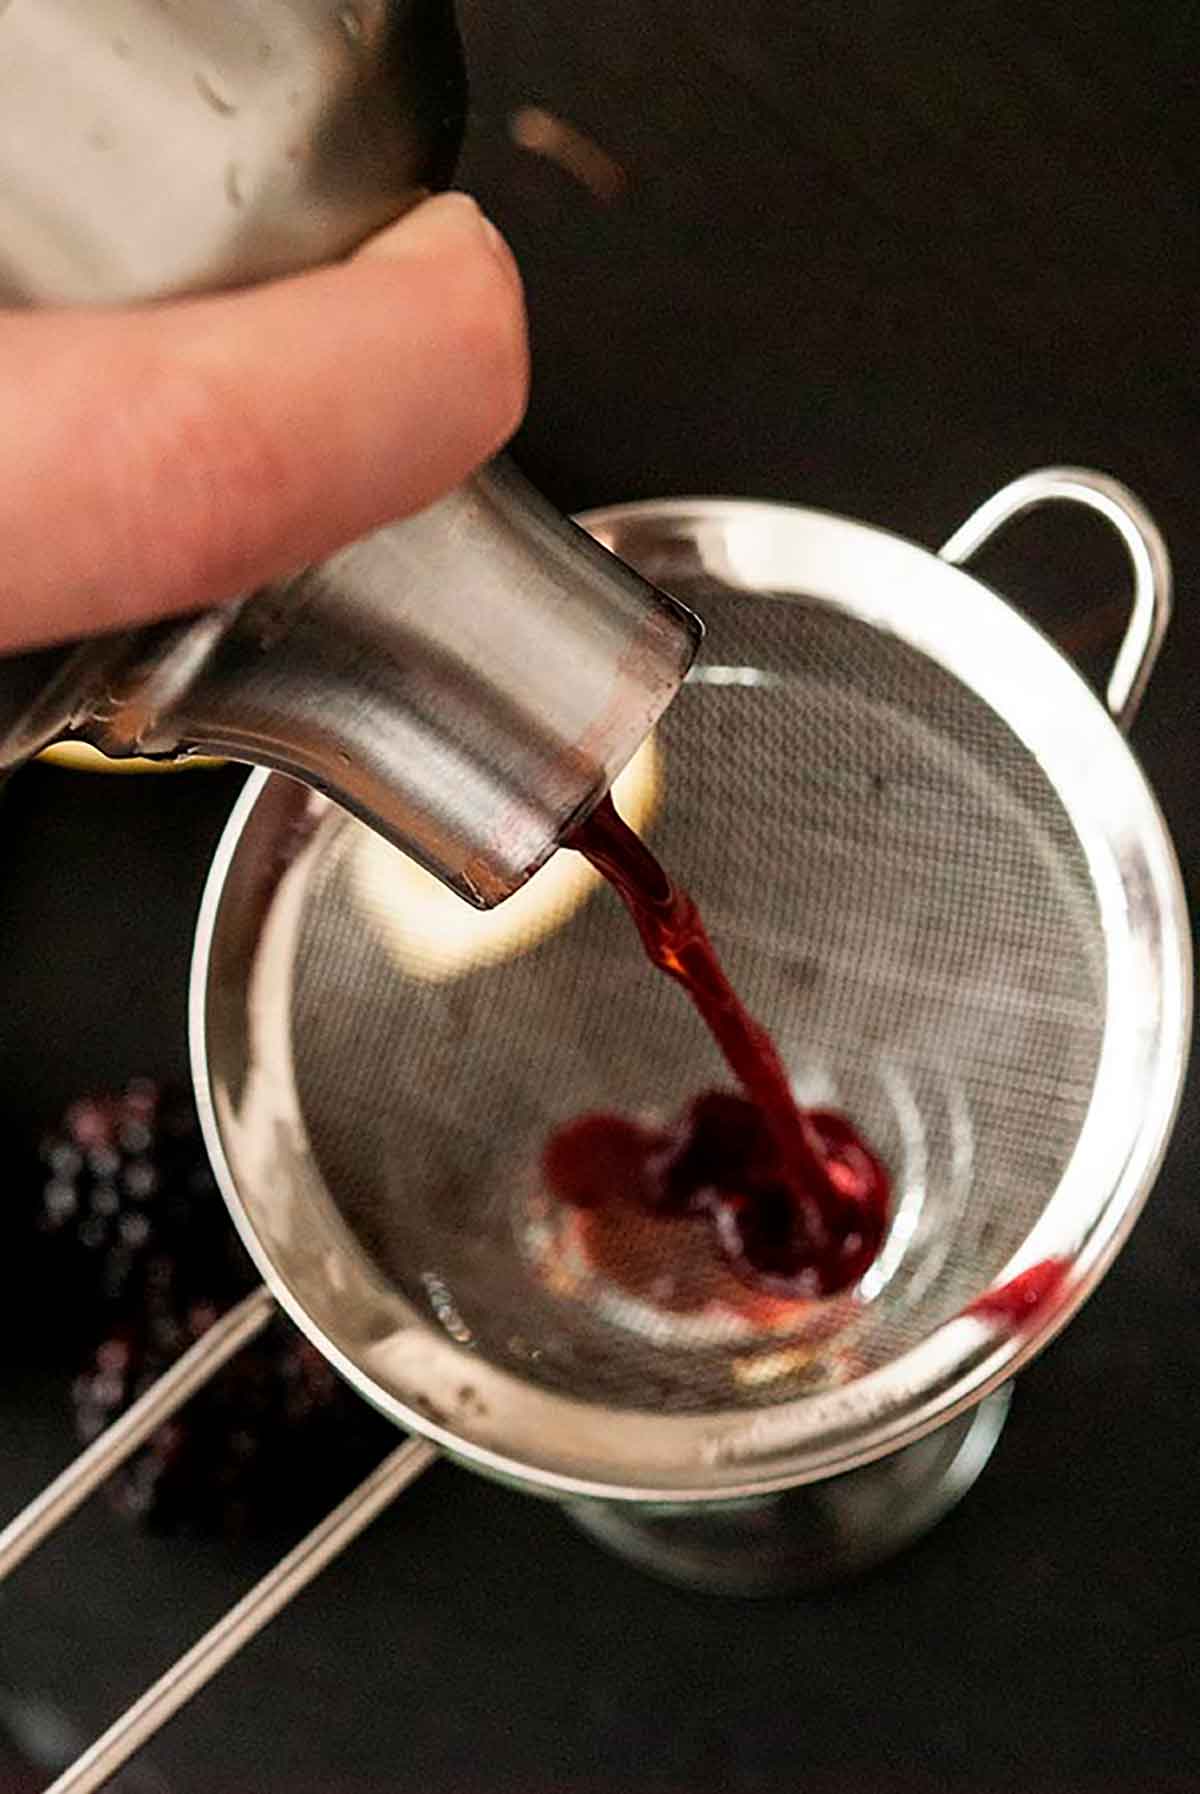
(468,681)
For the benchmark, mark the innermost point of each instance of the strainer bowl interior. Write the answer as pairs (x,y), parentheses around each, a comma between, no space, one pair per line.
(934,871)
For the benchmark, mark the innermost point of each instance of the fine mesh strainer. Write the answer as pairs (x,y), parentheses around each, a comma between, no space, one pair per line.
(933,869)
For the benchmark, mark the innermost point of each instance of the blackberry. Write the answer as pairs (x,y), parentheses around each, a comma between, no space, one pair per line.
(143,1250)
(133,1226)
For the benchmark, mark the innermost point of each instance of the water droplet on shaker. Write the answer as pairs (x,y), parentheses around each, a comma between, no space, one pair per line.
(350,20)
(214,95)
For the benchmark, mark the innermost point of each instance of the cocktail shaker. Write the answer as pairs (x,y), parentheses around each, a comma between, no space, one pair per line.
(467,681)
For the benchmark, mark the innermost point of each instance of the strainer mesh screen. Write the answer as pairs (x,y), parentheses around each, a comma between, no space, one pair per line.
(898,894)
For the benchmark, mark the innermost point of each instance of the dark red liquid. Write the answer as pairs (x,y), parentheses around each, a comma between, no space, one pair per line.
(797,1200)
(1022,1298)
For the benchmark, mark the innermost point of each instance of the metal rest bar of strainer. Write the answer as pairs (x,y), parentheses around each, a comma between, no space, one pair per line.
(1144,634)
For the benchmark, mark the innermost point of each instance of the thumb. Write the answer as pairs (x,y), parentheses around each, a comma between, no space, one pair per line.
(159,459)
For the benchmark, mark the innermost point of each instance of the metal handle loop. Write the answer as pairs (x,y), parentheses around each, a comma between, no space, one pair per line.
(83,1476)
(1151,604)
(47,1511)
(138,1724)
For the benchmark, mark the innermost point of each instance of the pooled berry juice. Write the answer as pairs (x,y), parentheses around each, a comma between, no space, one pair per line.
(796,1200)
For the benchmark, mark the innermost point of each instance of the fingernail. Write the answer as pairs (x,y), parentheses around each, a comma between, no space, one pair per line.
(437,225)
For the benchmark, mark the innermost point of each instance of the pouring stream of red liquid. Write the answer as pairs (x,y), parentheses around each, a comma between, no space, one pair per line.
(798,1199)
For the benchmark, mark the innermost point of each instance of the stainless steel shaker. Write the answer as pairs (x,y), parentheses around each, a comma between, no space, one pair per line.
(467,681)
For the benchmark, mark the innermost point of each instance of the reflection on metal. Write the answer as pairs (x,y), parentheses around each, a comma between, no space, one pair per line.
(578,155)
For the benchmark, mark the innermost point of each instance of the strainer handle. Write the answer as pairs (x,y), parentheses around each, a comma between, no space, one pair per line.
(84,1475)
(1151,604)
(139,1723)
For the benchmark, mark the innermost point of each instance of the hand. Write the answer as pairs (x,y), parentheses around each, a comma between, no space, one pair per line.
(158,459)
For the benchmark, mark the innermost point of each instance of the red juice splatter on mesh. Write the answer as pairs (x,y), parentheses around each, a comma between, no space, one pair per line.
(797,1200)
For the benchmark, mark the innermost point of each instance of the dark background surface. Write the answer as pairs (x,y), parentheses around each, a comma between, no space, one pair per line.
(878,259)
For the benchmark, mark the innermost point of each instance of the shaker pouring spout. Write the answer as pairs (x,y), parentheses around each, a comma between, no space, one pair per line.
(468,681)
